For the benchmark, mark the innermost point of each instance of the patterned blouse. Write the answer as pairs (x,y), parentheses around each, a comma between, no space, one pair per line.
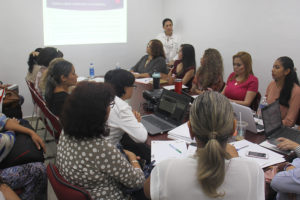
(97,166)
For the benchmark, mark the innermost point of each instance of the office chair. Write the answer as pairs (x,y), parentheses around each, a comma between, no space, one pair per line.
(51,122)
(255,103)
(63,189)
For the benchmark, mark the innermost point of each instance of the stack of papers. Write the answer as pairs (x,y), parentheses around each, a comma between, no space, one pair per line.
(143,80)
(181,133)
(172,87)
(98,79)
(244,146)
(164,149)
(82,78)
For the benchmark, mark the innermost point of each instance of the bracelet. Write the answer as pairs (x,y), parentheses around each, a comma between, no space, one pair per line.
(134,161)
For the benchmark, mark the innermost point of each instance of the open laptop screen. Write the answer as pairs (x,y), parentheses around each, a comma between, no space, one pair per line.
(172,105)
(271,117)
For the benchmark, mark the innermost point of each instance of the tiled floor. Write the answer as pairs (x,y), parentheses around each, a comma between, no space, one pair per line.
(51,150)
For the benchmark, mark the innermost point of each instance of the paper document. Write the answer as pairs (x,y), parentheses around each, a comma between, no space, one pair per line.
(181,132)
(143,80)
(244,146)
(172,87)
(164,149)
(98,79)
(81,78)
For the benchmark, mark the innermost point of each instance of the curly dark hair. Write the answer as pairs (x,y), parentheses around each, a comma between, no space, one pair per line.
(119,79)
(157,49)
(85,110)
(47,55)
(32,60)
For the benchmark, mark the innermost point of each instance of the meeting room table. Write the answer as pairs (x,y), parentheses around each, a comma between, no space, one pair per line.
(138,103)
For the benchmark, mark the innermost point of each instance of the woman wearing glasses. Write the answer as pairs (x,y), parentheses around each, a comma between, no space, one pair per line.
(242,85)
(84,157)
(124,123)
(154,61)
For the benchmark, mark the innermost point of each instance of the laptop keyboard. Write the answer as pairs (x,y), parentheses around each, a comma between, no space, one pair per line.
(157,123)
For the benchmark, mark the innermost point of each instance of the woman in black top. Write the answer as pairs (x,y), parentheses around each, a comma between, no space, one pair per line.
(60,77)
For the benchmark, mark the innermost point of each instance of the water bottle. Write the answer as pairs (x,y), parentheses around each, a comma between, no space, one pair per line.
(156,80)
(262,104)
(92,70)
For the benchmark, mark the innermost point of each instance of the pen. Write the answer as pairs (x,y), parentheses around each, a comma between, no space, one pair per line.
(242,147)
(175,148)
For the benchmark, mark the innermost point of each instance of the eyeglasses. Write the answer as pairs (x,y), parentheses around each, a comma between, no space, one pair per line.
(112,104)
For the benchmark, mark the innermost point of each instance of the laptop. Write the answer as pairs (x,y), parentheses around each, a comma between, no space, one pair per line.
(247,116)
(169,113)
(273,124)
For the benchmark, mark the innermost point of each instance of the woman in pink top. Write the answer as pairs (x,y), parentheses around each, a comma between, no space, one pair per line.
(242,85)
(285,87)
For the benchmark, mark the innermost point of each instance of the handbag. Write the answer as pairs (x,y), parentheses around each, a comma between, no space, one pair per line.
(11,99)
(24,150)
(11,104)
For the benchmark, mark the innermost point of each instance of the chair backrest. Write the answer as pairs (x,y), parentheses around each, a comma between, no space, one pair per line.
(255,103)
(63,189)
(50,120)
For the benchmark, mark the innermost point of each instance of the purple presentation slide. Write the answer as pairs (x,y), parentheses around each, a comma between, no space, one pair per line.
(85,4)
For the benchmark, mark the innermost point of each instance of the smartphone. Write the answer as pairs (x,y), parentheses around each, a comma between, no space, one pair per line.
(257,154)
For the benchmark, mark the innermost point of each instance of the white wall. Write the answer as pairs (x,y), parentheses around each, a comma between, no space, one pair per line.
(267,29)
(22,31)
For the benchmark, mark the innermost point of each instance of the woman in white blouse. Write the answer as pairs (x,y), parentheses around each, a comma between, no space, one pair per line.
(215,171)
(124,123)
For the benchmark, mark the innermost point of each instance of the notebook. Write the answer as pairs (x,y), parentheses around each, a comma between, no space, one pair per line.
(247,116)
(273,124)
(169,113)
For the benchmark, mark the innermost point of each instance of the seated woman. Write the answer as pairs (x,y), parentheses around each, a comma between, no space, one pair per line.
(154,61)
(31,176)
(33,66)
(242,85)
(60,77)
(122,119)
(185,67)
(215,171)
(43,60)
(210,73)
(84,157)
(285,87)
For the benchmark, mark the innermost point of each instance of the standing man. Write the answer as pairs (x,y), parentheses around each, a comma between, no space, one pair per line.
(170,41)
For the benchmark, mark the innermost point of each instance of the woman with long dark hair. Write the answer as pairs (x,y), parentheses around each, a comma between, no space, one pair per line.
(60,77)
(185,67)
(209,76)
(285,87)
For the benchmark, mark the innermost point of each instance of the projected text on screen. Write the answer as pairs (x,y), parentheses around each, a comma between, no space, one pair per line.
(84,21)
